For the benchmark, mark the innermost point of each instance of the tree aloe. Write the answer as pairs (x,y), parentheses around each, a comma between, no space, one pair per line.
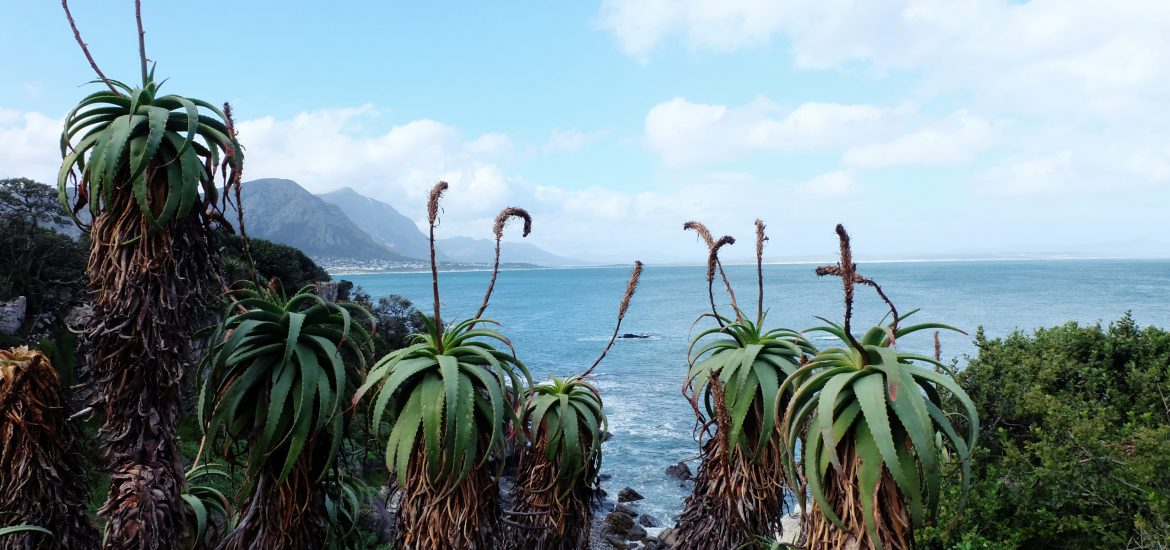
(733,384)
(276,384)
(144,164)
(874,430)
(558,474)
(446,406)
(41,479)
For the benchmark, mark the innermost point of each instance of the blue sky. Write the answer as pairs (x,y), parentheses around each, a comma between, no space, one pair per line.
(942,127)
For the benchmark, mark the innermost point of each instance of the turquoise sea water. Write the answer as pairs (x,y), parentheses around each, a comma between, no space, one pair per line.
(560,319)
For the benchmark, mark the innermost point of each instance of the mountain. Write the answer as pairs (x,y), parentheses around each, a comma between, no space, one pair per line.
(483,251)
(282,211)
(383,222)
(401,234)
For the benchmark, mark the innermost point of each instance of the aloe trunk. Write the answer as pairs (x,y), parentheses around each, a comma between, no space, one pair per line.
(42,481)
(288,514)
(737,497)
(149,288)
(438,515)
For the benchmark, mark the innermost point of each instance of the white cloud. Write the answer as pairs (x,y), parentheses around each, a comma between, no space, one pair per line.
(1085,168)
(29,146)
(326,149)
(686,133)
(729,24)
(955,140)
(1067,57)
(567,141)
(832,184)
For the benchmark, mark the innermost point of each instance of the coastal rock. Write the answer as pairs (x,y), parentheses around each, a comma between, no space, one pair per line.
(637,532)
(680,471)
(619,523)
(626,509)
(648,520)
(616,541)
(669,537)
(629,495)
(632,336)
(651,543)
(12,315)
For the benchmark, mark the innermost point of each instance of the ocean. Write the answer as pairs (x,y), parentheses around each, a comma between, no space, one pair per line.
(560,319)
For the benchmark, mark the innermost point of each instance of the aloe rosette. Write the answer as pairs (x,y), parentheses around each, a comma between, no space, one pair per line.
(450,394)
(733,383)
(163,148)
(875,433)
(749,364)
(277,383)
(446,406)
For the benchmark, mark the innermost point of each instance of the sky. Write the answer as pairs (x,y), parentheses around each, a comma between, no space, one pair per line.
(930,128)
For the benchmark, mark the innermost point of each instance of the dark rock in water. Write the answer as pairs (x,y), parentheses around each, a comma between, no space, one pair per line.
(626,509)
(653,544)
(630,335)
(616,541)
(637,532)
(619,523)
(629,495)
(605,505)
(680,471)
(669,537)
(608,436)
(604,477)
(648,520)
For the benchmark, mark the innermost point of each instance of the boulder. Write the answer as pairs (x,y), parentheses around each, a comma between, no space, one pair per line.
(619,523)
(652,543)
(680,471)
(79,317)
(616,541)
(669,537)
(626,509)
(12,315)
(629,495)
(378,519)
(648,520)
(637,532)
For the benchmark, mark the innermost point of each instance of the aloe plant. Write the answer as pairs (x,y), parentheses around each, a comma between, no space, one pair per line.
(208,508)
(344,497)
(875,434)
(145,165)
(276,384)
(446,407)
(733,384)
(557,478)
(42,482)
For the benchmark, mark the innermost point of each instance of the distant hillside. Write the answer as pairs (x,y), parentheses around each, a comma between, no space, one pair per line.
(382,222)
(483,251)
(393,229)
(282,211)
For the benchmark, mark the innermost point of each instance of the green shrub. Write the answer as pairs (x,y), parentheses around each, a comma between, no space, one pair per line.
(1074,449)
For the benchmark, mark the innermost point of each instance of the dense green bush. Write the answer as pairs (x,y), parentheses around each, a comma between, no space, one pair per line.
(1075,452)
(292,267)
(396,317)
